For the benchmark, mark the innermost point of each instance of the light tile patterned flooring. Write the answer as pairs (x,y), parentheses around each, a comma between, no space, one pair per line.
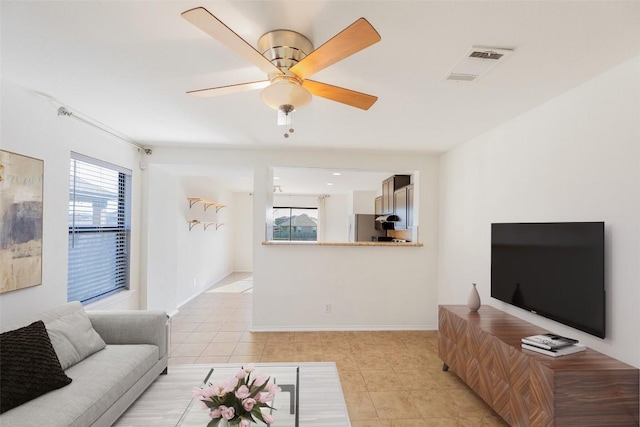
(389,378)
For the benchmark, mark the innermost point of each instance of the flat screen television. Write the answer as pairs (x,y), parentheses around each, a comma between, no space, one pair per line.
(555,270)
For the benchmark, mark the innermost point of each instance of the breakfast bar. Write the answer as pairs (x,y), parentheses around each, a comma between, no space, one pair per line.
(313,243)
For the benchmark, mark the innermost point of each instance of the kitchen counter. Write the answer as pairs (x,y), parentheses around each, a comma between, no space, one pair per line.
(303,243)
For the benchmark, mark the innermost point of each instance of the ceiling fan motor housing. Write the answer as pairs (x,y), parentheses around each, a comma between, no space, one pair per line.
(284,48)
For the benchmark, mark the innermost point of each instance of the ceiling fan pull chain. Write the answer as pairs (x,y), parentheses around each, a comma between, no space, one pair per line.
(286,124)
(288,110)
(291,128)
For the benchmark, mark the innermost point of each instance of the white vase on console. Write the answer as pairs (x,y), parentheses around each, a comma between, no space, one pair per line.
(474,299)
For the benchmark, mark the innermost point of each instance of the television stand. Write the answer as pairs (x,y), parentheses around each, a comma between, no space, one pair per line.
(526,388)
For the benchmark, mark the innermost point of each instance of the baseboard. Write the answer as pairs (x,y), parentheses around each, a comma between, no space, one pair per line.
(200,292)
(335,328)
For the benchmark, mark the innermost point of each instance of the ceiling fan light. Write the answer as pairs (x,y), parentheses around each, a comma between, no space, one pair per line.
(285,92)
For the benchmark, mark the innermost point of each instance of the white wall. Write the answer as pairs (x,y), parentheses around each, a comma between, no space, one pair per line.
(364,202)
(31,126)
(242,229)
(337,218)
(375,287)
(368,288)
(295,201)
(162,225)
(182,263)
(575,158)
(204,256)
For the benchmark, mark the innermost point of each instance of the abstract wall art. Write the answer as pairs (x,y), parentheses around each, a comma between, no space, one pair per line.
(21,182)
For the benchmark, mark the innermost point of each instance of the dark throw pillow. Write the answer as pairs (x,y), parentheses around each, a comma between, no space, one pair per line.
(29,366)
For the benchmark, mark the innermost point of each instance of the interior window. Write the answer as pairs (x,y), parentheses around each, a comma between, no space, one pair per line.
(295,223)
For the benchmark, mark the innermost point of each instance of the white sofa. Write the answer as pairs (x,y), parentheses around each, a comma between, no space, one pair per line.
(104,383)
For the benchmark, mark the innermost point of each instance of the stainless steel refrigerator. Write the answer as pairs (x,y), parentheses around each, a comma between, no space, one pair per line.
(362,227)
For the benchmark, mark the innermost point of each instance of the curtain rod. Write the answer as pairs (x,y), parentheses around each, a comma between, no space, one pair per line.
(64,111)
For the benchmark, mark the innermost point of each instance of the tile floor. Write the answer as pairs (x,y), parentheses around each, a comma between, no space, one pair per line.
(373,366)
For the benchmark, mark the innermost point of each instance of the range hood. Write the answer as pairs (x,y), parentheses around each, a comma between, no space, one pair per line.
(388,218)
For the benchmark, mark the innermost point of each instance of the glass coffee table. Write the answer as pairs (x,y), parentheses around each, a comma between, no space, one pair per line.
(285,404)
(317,396)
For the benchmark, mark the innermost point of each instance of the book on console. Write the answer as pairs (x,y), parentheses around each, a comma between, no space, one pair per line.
(564,351)
(549,341)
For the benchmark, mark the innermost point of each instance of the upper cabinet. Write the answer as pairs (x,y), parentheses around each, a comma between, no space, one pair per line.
(403,203)
(409,206)
(389,186)
(400,208)
(378,208)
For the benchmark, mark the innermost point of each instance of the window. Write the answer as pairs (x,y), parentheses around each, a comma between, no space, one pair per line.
(295,224)
(99,229)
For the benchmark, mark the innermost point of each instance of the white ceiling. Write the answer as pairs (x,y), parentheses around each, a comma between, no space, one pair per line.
(324,181)
(128,65)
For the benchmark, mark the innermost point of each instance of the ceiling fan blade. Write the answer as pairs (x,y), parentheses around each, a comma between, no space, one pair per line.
(226,90)
(203,19)
(340,94)
(352,39)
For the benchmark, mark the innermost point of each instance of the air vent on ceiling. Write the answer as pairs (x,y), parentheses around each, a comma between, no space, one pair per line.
(486,55)
(461,77)
(477,62)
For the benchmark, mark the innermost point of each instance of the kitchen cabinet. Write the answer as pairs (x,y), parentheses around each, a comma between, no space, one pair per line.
(389,186)
(387,197)
(400,208)
(409,205)
(403,207)
(378,208)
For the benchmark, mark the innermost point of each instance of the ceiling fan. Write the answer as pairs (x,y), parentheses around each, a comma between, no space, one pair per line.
(288,59)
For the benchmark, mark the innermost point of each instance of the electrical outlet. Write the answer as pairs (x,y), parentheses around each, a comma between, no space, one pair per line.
(327,308)
(195,283)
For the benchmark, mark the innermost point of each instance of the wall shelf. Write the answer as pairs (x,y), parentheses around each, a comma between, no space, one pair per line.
(205,224)
(205,203)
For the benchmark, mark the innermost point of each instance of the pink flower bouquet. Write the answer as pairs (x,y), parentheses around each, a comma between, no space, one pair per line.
(240,399)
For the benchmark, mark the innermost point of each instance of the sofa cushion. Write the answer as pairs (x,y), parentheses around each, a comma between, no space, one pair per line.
(29,366)
(71,332)
(72,335)
(98,382)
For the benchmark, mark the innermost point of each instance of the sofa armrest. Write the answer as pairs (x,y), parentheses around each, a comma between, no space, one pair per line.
(132,327)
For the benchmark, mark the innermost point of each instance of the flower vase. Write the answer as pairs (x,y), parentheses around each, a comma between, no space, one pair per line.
(474,299)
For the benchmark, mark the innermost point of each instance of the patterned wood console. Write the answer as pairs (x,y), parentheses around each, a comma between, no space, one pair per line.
(530,389)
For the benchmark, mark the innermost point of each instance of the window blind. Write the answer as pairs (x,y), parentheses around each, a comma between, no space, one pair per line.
(99,229)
